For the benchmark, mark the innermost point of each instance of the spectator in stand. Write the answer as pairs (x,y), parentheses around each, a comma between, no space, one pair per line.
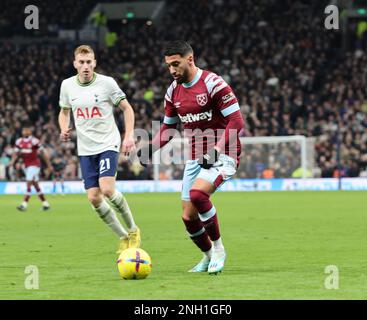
(288,73)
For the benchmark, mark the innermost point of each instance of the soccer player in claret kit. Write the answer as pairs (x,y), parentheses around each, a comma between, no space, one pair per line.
(91,97)
(211,117)
(28,148)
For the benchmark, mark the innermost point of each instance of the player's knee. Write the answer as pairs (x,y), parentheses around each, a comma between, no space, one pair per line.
(198,196)
(95,199)
(185,216)
(108,191)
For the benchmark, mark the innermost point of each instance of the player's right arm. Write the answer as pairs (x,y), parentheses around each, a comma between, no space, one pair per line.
(64,121)
(14,158)
(170,120)
(15,155)
(64,115)
(167,129)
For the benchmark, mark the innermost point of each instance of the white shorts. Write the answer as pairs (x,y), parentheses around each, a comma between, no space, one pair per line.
(32,173)
(223,170)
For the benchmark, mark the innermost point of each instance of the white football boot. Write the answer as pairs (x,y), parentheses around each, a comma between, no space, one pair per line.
(216,264)
(202,266)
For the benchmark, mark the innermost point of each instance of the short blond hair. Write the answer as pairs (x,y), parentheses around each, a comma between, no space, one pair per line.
(83,49)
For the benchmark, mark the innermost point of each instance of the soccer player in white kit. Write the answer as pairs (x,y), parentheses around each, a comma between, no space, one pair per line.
(91,98)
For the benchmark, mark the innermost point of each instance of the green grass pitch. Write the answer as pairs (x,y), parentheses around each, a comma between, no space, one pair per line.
(278,246)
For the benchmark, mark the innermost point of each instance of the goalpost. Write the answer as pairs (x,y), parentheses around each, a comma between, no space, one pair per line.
(287,156)
(261,157)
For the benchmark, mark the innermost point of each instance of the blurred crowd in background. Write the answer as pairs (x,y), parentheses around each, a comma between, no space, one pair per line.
(289,73)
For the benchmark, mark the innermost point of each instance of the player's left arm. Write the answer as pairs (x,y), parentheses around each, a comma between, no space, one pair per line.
(225,100)
(128,143)
(118,98)
(228,105)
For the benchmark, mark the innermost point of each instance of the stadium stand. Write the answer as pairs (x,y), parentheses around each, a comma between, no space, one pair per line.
(289,73)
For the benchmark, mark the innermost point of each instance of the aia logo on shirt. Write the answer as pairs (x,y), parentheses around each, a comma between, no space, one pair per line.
(202,99)
(87,113)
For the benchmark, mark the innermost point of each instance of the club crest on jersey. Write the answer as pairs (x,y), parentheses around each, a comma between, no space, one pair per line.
(202,99)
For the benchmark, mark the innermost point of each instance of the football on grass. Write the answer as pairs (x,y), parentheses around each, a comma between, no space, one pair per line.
(134,263)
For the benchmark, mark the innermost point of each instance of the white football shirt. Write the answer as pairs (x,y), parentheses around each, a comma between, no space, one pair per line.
(92,105)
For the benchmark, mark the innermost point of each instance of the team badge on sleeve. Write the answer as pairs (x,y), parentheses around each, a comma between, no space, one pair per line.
(202,99)
(228,97)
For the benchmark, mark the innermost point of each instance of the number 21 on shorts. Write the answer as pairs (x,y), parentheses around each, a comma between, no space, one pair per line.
(104,165)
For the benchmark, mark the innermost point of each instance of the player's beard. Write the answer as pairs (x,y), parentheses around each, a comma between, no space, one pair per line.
(184,78)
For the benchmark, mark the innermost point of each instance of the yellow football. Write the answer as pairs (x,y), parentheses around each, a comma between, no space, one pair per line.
(134,263)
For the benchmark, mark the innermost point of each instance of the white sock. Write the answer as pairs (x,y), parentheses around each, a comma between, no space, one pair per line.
(106,213)
(218,244)
(119,201)
(208,254)
(24,204)
(45,203)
